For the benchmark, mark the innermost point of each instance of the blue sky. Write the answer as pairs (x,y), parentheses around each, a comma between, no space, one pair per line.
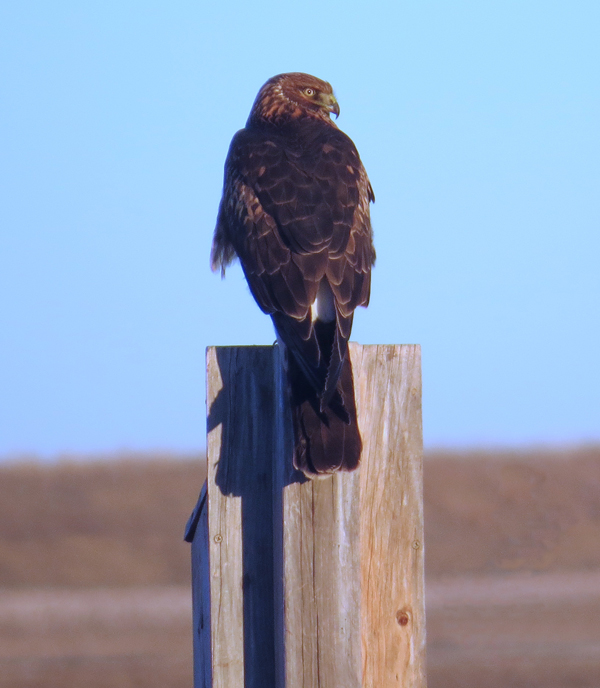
(478,125)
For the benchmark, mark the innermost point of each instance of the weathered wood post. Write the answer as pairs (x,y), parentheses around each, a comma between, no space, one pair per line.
(309,584)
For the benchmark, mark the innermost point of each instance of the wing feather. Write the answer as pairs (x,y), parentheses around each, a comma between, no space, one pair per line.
(296,211)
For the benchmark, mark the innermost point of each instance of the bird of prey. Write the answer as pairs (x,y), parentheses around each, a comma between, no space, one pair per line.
(295,211)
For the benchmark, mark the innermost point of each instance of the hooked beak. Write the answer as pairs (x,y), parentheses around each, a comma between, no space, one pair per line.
(334,107)
(330,103)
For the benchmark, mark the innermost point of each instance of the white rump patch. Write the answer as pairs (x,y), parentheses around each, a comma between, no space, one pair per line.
(324,306)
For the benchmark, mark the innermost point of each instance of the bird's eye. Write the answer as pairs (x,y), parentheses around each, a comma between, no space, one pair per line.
(310,92)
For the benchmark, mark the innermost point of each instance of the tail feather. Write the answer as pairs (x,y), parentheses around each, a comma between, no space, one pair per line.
(326,440)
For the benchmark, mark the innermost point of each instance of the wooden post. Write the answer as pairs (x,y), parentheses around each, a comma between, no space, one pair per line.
(309,584)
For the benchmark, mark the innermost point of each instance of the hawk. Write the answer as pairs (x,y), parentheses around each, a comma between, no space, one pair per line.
(295,211)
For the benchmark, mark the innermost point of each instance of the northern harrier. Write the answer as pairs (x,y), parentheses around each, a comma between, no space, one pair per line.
(295,211)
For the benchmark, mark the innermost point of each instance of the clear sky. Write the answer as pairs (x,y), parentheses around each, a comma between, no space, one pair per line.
(478,122)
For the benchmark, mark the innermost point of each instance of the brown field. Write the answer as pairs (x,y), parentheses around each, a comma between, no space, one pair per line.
(94,575)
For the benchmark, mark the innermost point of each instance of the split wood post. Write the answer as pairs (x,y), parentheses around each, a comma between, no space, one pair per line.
(309,584)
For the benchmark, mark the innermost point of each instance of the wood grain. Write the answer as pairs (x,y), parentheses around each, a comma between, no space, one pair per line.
(320,566)
(225,553)
(314,584)
(322,583)
(240,516)
(388,388)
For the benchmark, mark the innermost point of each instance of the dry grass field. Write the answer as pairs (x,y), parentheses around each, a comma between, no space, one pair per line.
(513,569)
(94,575)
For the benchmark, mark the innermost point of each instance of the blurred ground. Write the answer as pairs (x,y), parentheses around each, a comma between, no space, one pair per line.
(94,576)
(517,631)
(103,637)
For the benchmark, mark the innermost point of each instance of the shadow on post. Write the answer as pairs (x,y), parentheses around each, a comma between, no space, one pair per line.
(248,410)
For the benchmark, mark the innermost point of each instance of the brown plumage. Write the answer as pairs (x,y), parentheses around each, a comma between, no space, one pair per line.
(295,210)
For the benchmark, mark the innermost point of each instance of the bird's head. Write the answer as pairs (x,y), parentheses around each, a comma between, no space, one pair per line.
(292,96)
